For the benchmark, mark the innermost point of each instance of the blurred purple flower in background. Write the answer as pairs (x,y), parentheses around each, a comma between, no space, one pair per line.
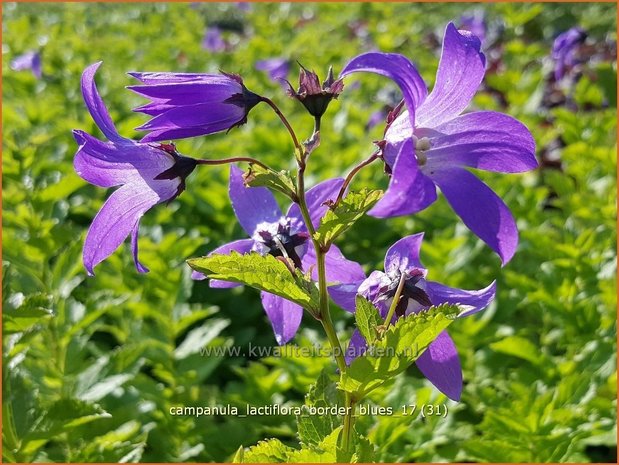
(147,174)
(474,23)
(440,362)
(192,104)
(276,68)
(213,40)
(431,144)
(29,61)
(280,235)
(564,50)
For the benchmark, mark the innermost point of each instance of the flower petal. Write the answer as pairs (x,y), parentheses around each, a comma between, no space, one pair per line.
(252,205)
(134,249)
(215,90)
(344,295)
(210,117)
(409,191)
(460,71)
(284,315)
(118,218)
(441,365)
(241,246)
(404,254)
(356,347)
(108,164)
(95,104)
(396,67)
(315,198)
(486,140)
(481,210)
(339,269)
(470,301)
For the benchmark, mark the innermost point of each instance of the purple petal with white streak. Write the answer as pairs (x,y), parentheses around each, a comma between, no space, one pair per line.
(399,69)
(460,72)
(108,164)
(252,205)
(119,216)
(95,104)
(404,254)
(485,140)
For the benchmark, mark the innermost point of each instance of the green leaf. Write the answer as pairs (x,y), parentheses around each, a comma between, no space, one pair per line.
(200,337)
(33,310)
(262,272)
(324,452)
(518,347)
(367,319)
(270,451)
(346,213)
(280,181)
(398,348)
(312,429)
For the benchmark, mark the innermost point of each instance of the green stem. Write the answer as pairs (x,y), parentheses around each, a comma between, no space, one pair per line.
(396,299)
(352,174)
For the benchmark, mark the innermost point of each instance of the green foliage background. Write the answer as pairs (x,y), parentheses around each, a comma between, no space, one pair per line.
(91,366)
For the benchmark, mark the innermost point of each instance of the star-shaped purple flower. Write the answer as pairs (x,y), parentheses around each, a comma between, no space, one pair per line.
(192,104)
(431,144)
(440,362)
(273,233)
(147,174)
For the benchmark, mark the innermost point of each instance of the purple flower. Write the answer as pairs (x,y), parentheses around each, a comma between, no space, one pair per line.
(213,41)
(28,61)
(440,362)
(276,68)
(273,233)
(564,50)
(147,174)
(431,144)
(191,104)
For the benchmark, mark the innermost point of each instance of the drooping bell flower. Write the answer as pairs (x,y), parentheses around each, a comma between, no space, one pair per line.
(564,50)
(432,143)
(147,174)
(28,61)
(439,363)
(192,104)
(283,235)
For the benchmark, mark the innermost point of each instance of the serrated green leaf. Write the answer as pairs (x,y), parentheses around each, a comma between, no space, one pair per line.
(312,429)
(398,348)
(367,319)
(262,272)
(348,211)
(270,451)
(324,452)
(280,181)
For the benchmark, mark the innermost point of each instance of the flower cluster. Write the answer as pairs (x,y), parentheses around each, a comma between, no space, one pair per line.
(429,141)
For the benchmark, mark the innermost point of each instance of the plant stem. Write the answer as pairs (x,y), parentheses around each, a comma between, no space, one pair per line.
(224,161)
(352,174)
(281,116)
(396,299)
(349,419)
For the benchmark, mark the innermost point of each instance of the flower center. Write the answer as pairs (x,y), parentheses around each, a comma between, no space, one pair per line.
(281,239)
(413,296)
(422,145)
